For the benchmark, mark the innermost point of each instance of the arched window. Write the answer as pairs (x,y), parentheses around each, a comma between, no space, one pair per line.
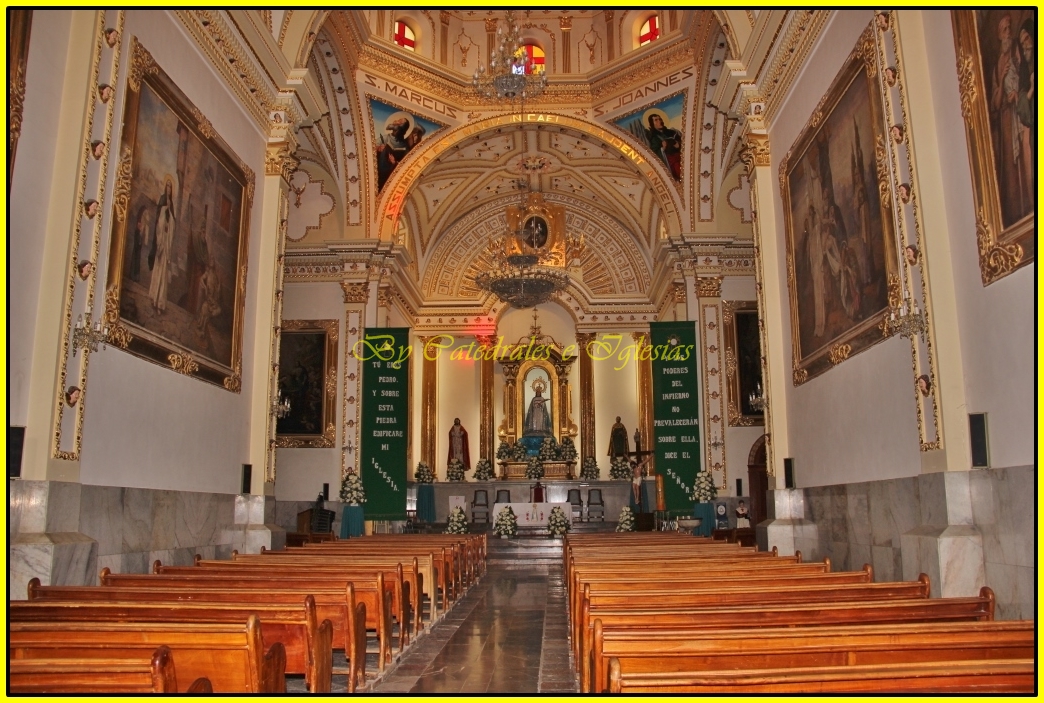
(404,36)
(650,31)
(535,56)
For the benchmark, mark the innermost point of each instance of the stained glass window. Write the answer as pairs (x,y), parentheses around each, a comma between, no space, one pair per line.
(650,31)
(536,58)
(404,36)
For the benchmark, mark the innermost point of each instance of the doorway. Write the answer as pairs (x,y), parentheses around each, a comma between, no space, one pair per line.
(757,479)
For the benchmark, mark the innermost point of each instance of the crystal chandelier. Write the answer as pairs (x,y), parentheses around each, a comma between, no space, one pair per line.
(519,275)
(89,337)
(509,76)
(907,320)
(757,399)
(281,406)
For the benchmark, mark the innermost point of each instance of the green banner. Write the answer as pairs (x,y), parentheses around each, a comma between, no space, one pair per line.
(384,355)
(676,411)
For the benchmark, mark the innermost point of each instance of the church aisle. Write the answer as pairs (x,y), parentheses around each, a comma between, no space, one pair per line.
(507,635)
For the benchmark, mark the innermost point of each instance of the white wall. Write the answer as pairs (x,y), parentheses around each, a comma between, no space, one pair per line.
(857,421)
(997,322)
(29,196)
(301,473)
(147,426)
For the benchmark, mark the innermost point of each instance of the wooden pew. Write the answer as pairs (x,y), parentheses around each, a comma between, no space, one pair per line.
(738,594)
(957,677)
(374,594)
(689,650)
(339,607)
(308,644)
(231,656)
(319,576)
(105,676)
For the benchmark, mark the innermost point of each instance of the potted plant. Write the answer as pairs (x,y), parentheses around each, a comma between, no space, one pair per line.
(423,474)
(352,491)
(557,522)
(506,524)
(484,470)
(704,491)
(455,470)
(458,522)
(626,523)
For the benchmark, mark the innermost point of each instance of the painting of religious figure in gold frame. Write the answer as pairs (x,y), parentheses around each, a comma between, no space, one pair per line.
(996,71)
(839,227)
(178,262)
(308,379)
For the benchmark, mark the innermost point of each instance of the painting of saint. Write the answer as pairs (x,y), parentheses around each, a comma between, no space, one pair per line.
(839,231)
(659,127)
(396,133)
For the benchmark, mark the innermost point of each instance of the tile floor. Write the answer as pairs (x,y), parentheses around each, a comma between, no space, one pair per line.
(507,635)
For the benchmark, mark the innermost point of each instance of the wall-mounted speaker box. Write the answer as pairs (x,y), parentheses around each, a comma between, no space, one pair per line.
(739,486)
(326,491)
(788,472)
(246,477)
(15,443)
(980,446)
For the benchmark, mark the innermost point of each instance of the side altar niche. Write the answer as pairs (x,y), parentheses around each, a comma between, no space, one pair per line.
(537,405)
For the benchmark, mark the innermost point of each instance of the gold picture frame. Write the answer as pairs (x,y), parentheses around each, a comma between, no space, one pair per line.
(840,231)
(178,262)
(742,360)
(308,380)
(1002,175)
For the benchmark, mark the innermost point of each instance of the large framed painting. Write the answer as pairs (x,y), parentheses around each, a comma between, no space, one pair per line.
(308,380)
(742,337)
(839,227)
(178,260)
(997,74)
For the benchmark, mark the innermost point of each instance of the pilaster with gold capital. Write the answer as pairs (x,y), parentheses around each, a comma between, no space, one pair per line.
(644,375)
(712,341)
(486,344)
(429,403)
(356,295)
(587,400)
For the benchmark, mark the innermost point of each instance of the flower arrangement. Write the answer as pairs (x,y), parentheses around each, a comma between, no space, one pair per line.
(483,470)
(458,522)
(626,523)
(589,471)
(567,450)
(549,449)
(506,524)
(518,451)
(534,468)
(619,469)
(352,491)
(423,474)
(704,490)
(505,452)
(455,470)
(557,522)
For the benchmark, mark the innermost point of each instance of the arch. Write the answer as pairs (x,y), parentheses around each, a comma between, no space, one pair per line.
(758,454)
(302,29)
(408,173)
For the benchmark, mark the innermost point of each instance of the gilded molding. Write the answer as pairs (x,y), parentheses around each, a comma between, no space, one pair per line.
(119,336)
(800,376)
(756,152)
(202,123)
(121,189)
(995,260)
(183,363)
(839,352)
(881,162)
(141,64)
(709,287)
(355,292)
(966,82)
(233,383)
(280,162)
(16,104)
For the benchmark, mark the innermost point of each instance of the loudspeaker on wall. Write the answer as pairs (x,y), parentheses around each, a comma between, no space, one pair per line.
(739,486)
(980,447)
(246,477)
(326,491)
(788,472)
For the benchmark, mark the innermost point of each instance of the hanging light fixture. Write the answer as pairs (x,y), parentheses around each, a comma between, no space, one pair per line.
(510,75)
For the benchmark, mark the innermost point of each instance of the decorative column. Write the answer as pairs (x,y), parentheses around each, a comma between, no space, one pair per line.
(444,19)
(708,290)
(280,165)
(587,403)
(770,265)
(610,35)
(486,448)
(491,37)
(645,419)
(356,295)
(566,24)
(429,401)
(507,431)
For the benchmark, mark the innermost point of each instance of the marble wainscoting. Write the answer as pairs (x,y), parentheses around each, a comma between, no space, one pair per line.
(286,513)
(964,529)
(65,533)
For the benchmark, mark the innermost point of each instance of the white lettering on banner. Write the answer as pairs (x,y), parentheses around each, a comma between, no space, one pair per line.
(675,423)
(389,394)
(387,379)
(676,369)
(675,396)
(677,479)
(387,478)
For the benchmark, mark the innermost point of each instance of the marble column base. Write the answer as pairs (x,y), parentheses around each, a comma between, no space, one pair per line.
(255,525)
(952,556)
(56,558)
(787,528)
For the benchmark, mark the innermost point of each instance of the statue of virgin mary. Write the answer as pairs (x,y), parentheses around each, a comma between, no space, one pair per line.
(538,419)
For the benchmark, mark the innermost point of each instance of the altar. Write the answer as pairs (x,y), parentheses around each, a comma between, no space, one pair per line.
(531,514)
(553,470)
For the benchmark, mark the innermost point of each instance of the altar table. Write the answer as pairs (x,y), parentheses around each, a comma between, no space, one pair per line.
(531,514)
